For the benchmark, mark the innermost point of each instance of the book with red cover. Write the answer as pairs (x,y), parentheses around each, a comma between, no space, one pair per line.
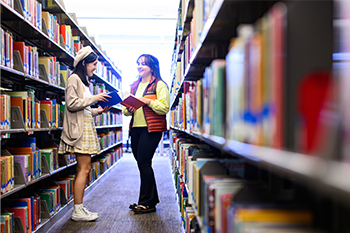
(20,212)
(128,100)
(30,205)
(21,47)
(63,32)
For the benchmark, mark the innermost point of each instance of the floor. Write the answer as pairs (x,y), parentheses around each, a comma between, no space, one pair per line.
(119,188)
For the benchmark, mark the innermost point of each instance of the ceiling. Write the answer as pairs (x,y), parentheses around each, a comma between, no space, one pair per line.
(126,29)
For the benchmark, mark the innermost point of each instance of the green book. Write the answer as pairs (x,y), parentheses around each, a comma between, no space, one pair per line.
(48,153)
(47,196)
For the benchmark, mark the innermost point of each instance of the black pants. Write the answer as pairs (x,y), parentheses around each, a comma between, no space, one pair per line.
(143,145)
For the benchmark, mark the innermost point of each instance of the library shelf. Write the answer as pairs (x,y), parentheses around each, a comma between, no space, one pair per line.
(28,80)
(12,19)
(44,176)
(110,147)
(197,61)
(29,130)
(58,8)
(325,175)
(71,164)
(108,126)
(6,131)
(50,173)
(16,189)
(98,78)
(63,211)
(20,29)
(218,29)
(12,71)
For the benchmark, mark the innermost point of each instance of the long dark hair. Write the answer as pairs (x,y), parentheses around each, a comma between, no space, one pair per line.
(80,69)
(153,63)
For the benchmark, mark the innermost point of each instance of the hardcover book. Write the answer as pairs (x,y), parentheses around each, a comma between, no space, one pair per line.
(128,100)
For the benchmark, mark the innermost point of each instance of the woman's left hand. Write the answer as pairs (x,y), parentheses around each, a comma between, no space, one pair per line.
(101,110)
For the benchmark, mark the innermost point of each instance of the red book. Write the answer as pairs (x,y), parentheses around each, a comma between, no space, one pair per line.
(21,212)
(277,14)
(225,200)
(21,47)
(63,32)
(30,210)
(312,95)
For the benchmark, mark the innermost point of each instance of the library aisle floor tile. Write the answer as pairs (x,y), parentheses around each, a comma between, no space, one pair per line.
(112,196)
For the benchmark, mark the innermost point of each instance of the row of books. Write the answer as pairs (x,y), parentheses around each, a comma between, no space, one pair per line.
(180,66)
(35,13)
(54,70)
(97,88)
(30,60)
(6,48)
(110,138)
(32,10)
(29,157)
(30,209)
(200,14)
(29,160)
(251,93)
(235,89)
(105,72)
(27,209)
(70,42)
(67,184)
(109,118)
(100,164)
(29,108)
(210,190)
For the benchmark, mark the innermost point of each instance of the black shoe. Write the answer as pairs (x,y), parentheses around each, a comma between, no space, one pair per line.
(132,206)
(140,209)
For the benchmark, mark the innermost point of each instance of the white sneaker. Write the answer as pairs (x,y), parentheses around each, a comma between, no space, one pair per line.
(82,214)
(84,207)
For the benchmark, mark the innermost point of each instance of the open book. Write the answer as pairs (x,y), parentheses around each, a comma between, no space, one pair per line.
(128,100)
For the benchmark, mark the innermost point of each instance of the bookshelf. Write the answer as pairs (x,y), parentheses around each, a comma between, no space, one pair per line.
(295,54)
(45,80)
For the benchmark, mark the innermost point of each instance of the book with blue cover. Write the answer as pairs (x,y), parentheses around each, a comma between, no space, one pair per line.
(128,101)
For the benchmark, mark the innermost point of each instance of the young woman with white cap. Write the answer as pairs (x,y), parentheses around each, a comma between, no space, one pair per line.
(79,135)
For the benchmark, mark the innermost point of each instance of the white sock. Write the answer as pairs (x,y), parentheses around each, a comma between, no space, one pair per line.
(77,205)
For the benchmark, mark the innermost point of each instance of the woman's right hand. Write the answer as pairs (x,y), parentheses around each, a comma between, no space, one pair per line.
(103,97)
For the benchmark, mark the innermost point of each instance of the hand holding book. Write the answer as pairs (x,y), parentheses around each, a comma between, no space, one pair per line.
(128,100)
(103,97)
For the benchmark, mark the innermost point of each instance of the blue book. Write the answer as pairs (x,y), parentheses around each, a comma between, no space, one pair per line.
(115,99)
